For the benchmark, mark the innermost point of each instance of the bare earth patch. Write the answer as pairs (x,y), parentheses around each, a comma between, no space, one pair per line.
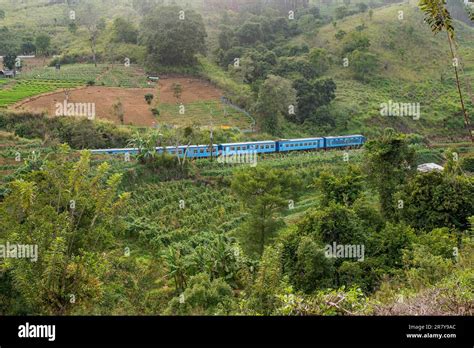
(136,111)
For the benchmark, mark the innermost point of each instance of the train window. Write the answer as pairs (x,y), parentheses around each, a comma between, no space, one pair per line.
(232,148)
(266,146)
(195,151)
(201,150)
(272,146)
(238,148)
(244,147)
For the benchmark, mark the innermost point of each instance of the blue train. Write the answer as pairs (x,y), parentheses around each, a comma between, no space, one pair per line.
(259,147)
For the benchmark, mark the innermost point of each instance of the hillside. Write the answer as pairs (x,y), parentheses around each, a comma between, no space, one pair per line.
(100,169)
(413,66)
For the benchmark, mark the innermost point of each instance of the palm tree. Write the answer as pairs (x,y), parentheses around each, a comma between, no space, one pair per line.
(439,19)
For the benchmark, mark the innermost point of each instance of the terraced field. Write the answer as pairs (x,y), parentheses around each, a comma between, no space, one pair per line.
(203,113)
(23,89)
(47,79)
(75,72)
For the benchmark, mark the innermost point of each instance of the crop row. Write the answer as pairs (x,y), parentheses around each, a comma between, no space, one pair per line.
(76,72)
(28,88)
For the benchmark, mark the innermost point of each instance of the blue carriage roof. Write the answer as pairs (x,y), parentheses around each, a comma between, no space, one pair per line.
(250,143)
(303,139)
(345,136)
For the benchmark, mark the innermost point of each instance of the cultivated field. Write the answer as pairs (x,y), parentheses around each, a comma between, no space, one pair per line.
(200,100)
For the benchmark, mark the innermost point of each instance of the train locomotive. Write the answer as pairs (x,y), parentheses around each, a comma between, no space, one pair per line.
(259,147)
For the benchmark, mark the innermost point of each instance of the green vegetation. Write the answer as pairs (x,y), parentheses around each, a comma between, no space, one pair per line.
(249,252)
(27,88)
(151,233)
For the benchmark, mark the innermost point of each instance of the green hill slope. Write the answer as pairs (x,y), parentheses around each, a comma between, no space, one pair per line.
(415,67)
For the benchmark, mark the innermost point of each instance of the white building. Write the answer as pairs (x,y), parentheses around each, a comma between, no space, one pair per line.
(429,167)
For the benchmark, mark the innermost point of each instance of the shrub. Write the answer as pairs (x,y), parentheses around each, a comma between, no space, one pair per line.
(148,98)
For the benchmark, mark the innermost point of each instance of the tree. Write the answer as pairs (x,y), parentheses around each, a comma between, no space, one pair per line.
(319,58)
(340,34)
(124,31)
(362,7)
(312,95)
(264,192)
(312,269)
(249,33)
(72,27)
(355,41)
(433,200)
(203,296)
(225,38)
(43,43)
(28,47)
(363,64)
(177,91)
(170,40)
(89,17)
(333,223)
(343,188)
(262,297)
(9,61)
(149,98)
(389,162)
(2,14)
(118,111)
(341,12)
(70,212)
(275,97)
(438,18)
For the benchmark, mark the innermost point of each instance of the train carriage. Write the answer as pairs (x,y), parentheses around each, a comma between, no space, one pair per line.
(201,151)
(300,144)
(131,151)
(344,141)
(257,146)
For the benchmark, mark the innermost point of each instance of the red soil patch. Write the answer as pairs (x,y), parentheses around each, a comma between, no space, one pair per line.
(136,110)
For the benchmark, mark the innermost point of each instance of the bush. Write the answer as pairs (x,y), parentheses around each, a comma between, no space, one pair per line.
(467,164)
(148,98)
(78,133)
